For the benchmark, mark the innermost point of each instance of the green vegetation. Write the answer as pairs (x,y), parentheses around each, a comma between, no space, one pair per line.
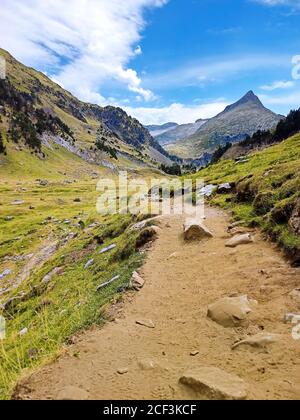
(175,169)
(49,231)
(267,192)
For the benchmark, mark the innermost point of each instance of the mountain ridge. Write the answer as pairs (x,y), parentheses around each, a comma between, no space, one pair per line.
(238,121)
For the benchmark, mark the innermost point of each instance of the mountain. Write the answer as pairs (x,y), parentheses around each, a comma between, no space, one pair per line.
(156,130)
(34,109)
(234,124)
(180,132)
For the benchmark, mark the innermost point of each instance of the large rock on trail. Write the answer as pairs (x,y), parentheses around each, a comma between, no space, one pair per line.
(230,311)
(240,240)
(215,384)
(195,229)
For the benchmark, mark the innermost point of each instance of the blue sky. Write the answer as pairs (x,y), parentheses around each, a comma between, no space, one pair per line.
(162,60)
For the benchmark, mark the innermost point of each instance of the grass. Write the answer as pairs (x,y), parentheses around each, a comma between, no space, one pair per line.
(50,214)
(267,190)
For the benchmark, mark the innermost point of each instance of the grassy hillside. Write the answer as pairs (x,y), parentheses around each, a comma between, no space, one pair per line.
(33,105)
(49,224)
(267,192)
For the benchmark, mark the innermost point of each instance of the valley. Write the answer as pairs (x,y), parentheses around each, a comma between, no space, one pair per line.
(113,299)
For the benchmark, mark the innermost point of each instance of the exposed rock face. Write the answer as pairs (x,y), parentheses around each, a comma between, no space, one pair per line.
(240,240)
(230,311)
(233,125)
(294,221)
(195,229)
(215,384)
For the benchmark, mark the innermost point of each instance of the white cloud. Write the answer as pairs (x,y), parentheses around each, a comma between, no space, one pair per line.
(278,85)
(293,3)
(176,112)
(291,101)
(87,42)
(216,69)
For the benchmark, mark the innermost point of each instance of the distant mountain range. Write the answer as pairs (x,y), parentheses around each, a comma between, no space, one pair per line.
(171,132)
(234,124)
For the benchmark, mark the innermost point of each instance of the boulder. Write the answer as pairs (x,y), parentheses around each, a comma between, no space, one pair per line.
(230,311)
(72,393)
(240,240)
(260,340)
(215,384)
(195,229)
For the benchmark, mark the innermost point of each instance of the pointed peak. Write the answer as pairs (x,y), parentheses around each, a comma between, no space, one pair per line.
(250,97)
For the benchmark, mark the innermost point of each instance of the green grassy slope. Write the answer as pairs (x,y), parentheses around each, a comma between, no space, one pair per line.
(267,191)
(56,226)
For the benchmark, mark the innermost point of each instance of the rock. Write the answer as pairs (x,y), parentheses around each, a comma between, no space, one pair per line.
(56,271)
(240,240)
(215,384)
(109,248)
(122,371)
(89,264)
(291,318)
(137,281)
(155,230)
(23,332)
(145,323)
(224,188)
(195,229)
(43,182)
(142,225)
(173,256)
(72,393)
(194,353)
(295,296)
(208,190)
(230,311)
(294,221)
(8,218)
(146,364)
(260,340)
(17,203)
(77,200)
(5,274)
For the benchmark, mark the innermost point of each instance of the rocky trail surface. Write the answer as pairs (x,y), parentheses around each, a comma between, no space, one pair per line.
(160,343)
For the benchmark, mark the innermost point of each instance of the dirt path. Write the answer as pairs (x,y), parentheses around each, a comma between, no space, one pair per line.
(175,297)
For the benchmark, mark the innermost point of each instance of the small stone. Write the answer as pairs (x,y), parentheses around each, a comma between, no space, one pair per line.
(77,200)
(122,371)
(194,353)
(291,318)
(260,340)
(215,384)
(146,364)
(72,393)
(89,264)
(8,218)
(109,248)
(173,256)
(240,240)
(23,332)
(145,323)
(137,281)
(17,203)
